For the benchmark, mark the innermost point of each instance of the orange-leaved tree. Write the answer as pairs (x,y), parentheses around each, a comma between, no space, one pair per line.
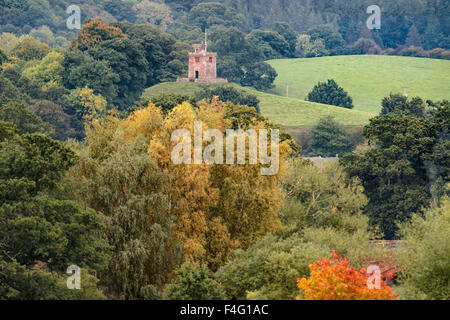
(335,280)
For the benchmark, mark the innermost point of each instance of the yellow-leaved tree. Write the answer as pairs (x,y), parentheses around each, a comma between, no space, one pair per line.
(216,207)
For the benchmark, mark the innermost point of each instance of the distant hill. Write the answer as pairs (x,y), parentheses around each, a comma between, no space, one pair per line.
(367,78)
(281,110)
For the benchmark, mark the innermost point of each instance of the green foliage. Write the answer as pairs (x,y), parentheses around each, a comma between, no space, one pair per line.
(48,72)
(126,59)
(259,76)
(425,261)
(53,114)
(154,13)
(393,170)
(240,60)
(169,101)
(330,93)
(399,104)
(3,57)
(41,235)
(289,34)
(28,89)
(205,15)
(29,48)
(25,120)
(8,41)
(38,283)
(9,92)
(329,138)
(229,94)
(166,57)
(81,70)
(193,283)
(268,268)
(122,60)
(307,49)
(333,41)
(46,35)
(429,17)
(119,179)
(272,44)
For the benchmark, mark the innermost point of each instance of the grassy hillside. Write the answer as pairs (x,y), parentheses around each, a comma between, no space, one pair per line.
(285,111)
(367,78)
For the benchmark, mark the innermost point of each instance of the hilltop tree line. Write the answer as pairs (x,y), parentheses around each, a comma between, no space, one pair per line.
(417,23)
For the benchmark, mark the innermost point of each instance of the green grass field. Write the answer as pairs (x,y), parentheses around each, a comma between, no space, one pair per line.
(281,110)
(367,78)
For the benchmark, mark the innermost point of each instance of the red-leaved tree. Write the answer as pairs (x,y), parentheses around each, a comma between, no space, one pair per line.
(335,280)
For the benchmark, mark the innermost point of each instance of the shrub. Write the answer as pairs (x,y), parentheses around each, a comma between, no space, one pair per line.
(329,138)
(330,93)
(365,46)
(193,283)
(413,51)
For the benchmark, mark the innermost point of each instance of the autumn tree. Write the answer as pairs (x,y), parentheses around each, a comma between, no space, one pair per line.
(48,72)
(336,280)
(29,48)
(93,32)
(116,176)
(216,208)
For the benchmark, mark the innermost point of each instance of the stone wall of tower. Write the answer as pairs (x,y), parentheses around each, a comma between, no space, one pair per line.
(202,65)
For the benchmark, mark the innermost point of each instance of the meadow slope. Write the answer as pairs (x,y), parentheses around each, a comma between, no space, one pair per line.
(367,78)
(281,110)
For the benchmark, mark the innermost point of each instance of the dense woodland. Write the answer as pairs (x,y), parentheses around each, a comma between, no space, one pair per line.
(86,176)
